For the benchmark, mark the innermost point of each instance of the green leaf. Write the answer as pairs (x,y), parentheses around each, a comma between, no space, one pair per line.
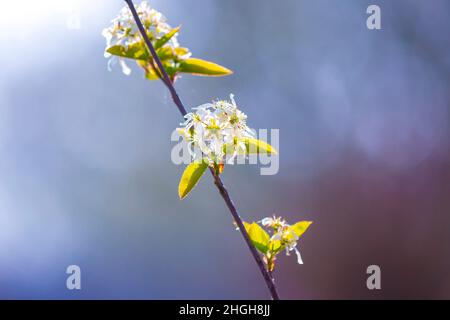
(258,236)
(136,51)
(300,227)
(170,68)
(165,38)
(165,53)
(275,246)
(258,146)
(191,176)
(252,146)
(181,51)
(202,67)
(149,73)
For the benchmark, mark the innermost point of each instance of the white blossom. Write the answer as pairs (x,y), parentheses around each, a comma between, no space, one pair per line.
(217,127)
(124,31)
(274,222)
(285,234)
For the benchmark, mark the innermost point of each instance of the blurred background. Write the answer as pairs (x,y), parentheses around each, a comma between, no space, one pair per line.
(86,176)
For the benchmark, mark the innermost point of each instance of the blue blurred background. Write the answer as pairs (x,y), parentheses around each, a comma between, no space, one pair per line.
(86,176)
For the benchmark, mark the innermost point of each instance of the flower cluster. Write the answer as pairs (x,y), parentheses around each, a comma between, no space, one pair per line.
(281,236)
(284,233)
(124,31)
(218,130)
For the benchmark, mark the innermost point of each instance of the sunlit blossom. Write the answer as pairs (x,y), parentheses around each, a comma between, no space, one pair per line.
(217,129)
(284,233)
(124,31)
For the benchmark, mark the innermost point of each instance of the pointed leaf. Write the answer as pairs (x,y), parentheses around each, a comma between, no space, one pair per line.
(136,51)
(258,236)
(300,227)
(165,38)
(181,51)
(258,146)
(191,176)
(202,67)
(252,146)
(165,53)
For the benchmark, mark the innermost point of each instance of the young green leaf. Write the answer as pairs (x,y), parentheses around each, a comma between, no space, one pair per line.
(136,51)
(191,176)
(275,246)
(181,51)
(149,73)
(258,146)
(165,53)
(202,68)
(165,38)
(300,227)
(252,146)
(258,236)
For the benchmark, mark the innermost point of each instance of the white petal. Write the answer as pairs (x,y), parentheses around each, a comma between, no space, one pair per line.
(112,61)
(232,99)
(299,257)
(231,160)
(125,69)
(287,251)
(266,221)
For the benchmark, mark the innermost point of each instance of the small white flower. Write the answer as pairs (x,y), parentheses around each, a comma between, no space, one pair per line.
(216,126)
(284,233)
(274,222)
(124,31)
(267,222)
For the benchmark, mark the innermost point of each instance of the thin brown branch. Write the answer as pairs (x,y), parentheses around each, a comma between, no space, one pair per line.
(224,193)
(217,180)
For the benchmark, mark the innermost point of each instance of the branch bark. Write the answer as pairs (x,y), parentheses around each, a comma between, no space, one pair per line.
(217,180)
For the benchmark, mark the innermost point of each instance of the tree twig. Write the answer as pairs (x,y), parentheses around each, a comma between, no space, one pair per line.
(217,180)
(226,197)
(166,78)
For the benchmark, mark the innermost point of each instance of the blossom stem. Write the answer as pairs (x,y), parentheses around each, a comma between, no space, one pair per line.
(217,181)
